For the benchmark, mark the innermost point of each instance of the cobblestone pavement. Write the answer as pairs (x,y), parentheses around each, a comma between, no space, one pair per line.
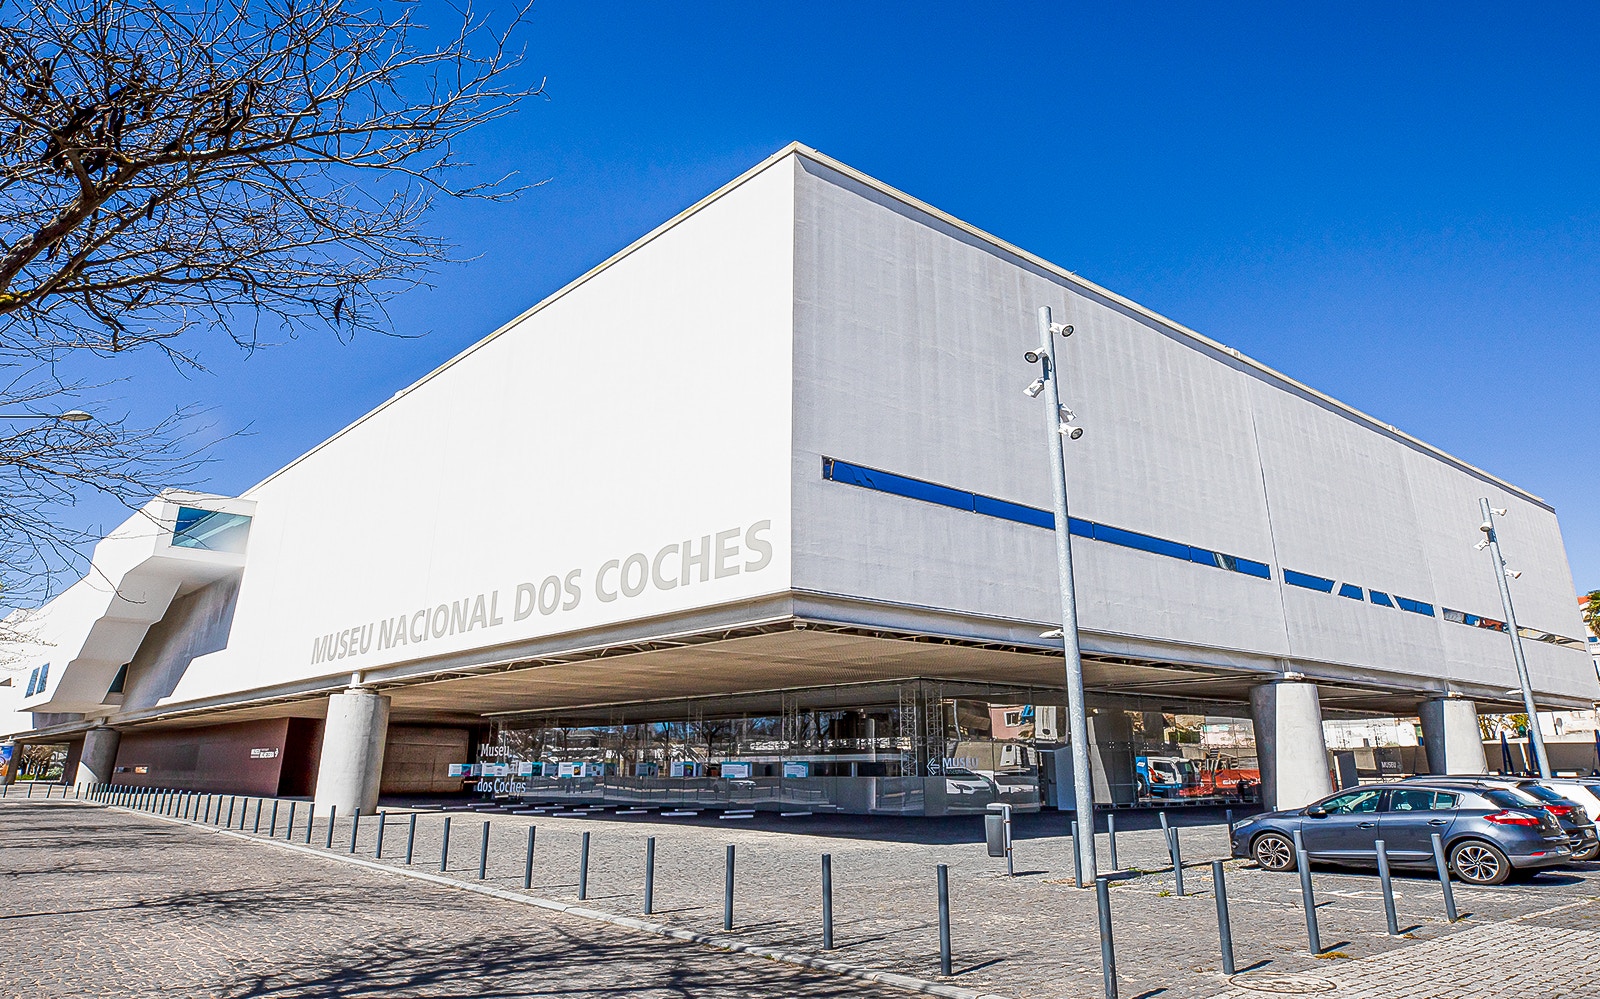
(1032,935)
(102,903)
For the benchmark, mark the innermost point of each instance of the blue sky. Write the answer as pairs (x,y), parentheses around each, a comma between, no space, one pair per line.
(1394,203)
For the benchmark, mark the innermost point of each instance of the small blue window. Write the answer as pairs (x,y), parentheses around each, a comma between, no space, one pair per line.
(1381,599)
(1350,590)
(1142,542)
(1310,582)
(1078,528)
(33,682)
(990,507)
(210,530)
(899,485)
(1249,567)
(1414,606)
(119,681)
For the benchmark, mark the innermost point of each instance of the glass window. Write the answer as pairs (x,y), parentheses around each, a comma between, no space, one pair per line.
(1458,617)
(1355,801)
(1350,590)
(1416,800)
(1504,797)
(1308,581)
(1381,599)
(210,530)
(1540,792)
(1414,606)
(990,507)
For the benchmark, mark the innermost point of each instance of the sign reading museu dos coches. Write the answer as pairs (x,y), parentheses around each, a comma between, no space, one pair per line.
(697,560)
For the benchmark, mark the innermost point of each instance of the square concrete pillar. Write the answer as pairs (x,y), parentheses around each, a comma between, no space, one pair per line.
(1290,749)
(352,752)
(97,763)
(1451,736)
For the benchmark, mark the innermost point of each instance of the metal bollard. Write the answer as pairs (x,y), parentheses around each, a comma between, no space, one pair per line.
(1388,889)
(288,827)
(1307,897)
(944,916)
(1077,858)
(355,829)
(1111,833)
(1176,851)
(261,803)
(1108,950)
(1444,878)
(1227,814)
(583,869)
(1166,827)
(333,816)
(649,874)
(444,848)
(383,819)
(411,835)
(483,851)
(272,828)
(827,901)
(231,800)
(311,820)
(206,818)
(727,891)
(1224,924)
(527,867)
(30,788)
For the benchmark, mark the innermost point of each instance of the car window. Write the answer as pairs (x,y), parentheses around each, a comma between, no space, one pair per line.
(1593,789)
(1409,800)
(1505,797)
(1539,791)
(1355,801)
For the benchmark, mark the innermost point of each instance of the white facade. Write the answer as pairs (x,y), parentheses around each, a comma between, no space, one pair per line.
(640,458)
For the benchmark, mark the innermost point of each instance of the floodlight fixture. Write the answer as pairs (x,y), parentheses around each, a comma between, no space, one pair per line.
(1514,573)
(1033,390)
(1064,329)
(1486,527)
(1033,356)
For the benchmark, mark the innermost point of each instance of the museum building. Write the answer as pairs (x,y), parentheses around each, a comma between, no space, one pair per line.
(757,511)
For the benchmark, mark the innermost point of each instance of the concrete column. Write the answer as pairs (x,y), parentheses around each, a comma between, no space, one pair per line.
(98,760)
(1290,750)
(1450,730)
(352,751)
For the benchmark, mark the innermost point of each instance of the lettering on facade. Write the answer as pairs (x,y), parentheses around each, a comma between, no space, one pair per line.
(264,754)
(686,563)
(502,786)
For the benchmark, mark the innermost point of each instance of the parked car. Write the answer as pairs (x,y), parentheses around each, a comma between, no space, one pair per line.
(1574,819)
(1584,790)
(1488,833)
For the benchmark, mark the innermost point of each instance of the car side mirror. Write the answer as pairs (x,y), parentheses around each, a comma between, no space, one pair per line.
(1317,813)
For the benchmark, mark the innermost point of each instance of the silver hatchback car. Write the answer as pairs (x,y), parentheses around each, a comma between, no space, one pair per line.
(1488,833)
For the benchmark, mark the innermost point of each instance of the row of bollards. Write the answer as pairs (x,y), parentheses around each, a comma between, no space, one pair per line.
(213,809)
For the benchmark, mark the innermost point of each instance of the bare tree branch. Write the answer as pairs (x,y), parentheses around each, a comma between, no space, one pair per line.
(167,168)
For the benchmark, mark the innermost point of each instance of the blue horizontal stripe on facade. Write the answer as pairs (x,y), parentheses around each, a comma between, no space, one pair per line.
(1310,582)
(929,492)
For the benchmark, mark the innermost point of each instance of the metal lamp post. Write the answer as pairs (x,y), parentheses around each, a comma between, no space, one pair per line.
(1058,425)
(1535,737)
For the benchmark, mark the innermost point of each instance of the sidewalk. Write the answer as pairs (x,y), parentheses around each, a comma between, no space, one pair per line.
(1033,935)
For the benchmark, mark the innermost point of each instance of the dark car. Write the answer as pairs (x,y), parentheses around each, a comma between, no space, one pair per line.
(1488,832)
(1574,820)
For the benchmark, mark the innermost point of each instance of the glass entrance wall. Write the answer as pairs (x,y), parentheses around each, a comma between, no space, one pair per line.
(917,747)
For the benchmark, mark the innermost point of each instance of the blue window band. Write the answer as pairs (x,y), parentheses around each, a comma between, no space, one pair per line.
(929,492)
(1317,583)
(1380,598)
(1351,590)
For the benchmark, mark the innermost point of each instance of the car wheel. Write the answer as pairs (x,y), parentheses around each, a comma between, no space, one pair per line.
(1274,852)
(1478,863)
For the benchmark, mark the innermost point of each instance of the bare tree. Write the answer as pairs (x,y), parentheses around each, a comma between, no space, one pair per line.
(165,166)
(256,168)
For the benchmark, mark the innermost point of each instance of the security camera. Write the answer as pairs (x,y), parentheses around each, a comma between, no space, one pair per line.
(1061,328)
(1071,432)
(1033,390)
(1497,511)
(1514,573)
(1067,415)
(1480,546)
(1486,527)
(1033,356)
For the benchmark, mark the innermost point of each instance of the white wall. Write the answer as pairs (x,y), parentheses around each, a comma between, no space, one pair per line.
(645,406)
(909,342)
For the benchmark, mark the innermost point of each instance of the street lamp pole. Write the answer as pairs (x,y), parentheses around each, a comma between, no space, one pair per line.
(1057,427)
(1535,737)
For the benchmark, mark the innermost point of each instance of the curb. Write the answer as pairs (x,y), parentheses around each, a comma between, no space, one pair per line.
(907,982)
